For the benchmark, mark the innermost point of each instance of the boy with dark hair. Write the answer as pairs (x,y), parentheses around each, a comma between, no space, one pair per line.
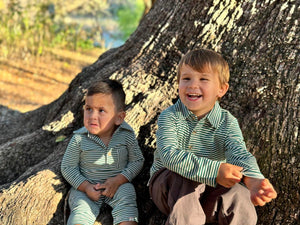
(102,158)
(201,156)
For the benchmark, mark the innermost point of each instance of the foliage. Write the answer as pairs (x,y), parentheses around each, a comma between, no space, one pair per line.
(29,29)
(129,16)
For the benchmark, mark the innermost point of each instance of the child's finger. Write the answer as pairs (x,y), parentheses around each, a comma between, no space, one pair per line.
(268,189)
(265,184)
(270,193)
(97,186)
(238,168)
(236,177)
(257,201)
(265,198)
(232,181)
(237,173)
(236,180)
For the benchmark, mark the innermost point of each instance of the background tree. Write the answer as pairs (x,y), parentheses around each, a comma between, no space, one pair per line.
(148,5)
(260,41)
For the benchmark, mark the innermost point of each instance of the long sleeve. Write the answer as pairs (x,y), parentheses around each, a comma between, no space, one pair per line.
(176,159)
(236,152)
(135,159)
(70,163)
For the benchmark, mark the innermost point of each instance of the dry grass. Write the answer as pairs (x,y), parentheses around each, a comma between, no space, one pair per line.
(28,84)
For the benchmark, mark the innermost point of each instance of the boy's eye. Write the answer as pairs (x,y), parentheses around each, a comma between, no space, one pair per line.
(101,110)
(203,79)
(88,109)
(185,78)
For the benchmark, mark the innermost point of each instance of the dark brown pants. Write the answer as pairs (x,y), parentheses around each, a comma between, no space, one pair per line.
(186,202)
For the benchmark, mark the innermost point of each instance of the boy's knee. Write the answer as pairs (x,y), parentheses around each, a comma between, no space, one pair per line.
(81,217)
(237,207)
(126,190)
(124,204)
(83,210)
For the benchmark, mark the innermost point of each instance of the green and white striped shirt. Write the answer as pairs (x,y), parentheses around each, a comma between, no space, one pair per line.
(88,158)
(195,149)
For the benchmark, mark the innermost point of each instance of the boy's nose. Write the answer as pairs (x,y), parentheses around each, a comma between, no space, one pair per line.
(93,114)
(193,84)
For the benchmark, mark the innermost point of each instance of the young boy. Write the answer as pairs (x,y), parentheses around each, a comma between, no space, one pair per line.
(201,157)
(102,158)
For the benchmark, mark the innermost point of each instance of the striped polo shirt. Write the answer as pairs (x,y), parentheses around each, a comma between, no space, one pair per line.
(88,158)
(195,148)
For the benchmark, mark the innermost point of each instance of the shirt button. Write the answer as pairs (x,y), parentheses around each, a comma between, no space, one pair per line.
(194,132)
(190,147)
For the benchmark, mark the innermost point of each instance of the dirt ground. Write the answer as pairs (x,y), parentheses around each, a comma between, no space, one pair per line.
(28,84)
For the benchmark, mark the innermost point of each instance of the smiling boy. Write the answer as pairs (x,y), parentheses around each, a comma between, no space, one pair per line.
(102,158)
(201,156)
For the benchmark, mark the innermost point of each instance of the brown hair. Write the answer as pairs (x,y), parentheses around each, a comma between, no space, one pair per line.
(203,58)
(109,86)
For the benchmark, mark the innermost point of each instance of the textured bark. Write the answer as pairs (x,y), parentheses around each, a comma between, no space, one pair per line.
(260,41)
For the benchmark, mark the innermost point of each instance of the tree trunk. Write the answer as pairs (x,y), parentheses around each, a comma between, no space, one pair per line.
(260,41)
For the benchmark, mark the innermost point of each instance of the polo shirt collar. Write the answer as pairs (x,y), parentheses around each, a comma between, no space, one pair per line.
(83,130)
(213,117)
(183,112)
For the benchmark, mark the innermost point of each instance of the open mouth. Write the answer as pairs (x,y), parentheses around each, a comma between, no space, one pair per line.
(194,96)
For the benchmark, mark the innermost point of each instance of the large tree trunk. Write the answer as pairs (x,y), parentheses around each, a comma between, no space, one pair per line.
(260,41)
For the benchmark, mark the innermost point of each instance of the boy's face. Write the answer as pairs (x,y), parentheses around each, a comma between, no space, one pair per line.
(199,91)
(101,116)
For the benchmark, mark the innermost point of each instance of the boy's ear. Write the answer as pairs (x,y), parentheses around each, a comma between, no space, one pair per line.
(120,117)
(223,89)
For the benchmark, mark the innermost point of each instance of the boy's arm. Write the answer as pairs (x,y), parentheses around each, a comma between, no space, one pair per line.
(236,152)
(187,164)
(70,164)
(135,159)
(261,189)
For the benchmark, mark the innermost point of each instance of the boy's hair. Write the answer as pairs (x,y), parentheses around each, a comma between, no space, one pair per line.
(109,86)
(201,58)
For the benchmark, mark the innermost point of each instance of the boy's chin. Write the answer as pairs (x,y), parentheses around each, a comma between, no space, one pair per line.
(92,130)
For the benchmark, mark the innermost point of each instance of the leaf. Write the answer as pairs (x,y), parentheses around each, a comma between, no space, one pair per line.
(60,138)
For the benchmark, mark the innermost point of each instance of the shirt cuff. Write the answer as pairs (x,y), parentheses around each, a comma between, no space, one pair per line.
(214,173)
(76,182)
(127,175)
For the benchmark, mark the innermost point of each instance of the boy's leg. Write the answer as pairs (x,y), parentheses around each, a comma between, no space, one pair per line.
(83,210)
(177,197)
(124,207)
(228,205)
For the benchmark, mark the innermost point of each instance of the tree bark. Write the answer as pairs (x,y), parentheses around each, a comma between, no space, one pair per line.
(260,41)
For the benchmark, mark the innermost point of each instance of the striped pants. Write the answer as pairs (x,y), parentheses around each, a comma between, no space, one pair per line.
(191,203)
(85,211)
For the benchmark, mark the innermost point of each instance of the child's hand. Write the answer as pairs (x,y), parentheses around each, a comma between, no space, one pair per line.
(261,190)
(93,192)
(229,175)
(112,184)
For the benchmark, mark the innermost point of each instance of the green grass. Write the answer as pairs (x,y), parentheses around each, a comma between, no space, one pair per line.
(29,30)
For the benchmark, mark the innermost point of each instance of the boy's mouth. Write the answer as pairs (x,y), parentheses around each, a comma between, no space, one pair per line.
(194,96)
